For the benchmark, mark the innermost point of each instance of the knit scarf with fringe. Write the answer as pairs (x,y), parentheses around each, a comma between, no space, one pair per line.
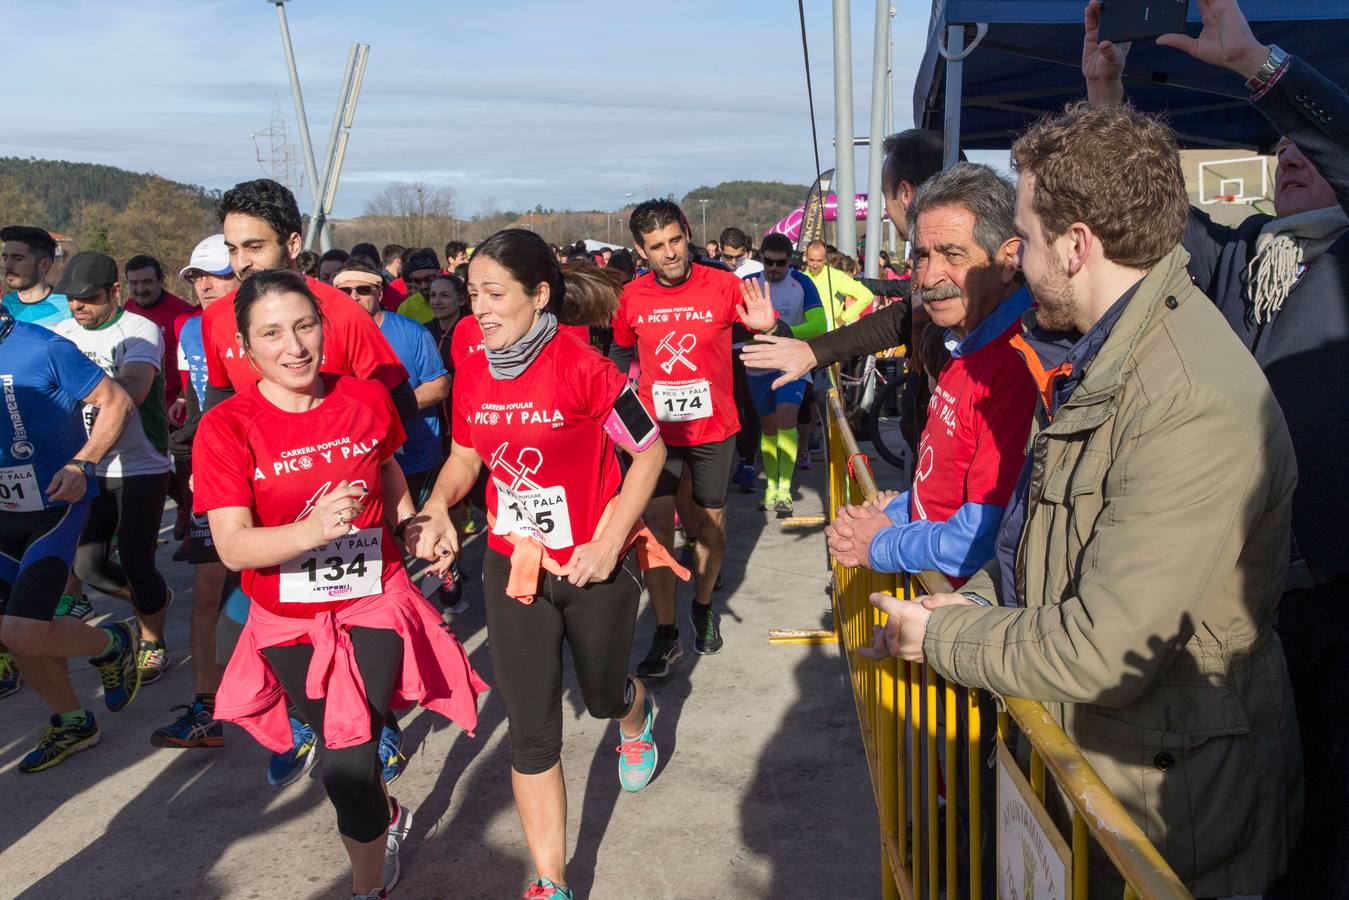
(1282,248)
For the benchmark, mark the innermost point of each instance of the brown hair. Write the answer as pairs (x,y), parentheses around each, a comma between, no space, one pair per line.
(592,294)
(1115,169)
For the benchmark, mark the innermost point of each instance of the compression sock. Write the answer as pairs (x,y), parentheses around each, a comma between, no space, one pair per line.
(113,647)
(786,447)
(768,449)
(76,719)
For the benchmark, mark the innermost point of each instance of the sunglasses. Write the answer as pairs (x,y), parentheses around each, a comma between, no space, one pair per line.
(361,290)
(771,263)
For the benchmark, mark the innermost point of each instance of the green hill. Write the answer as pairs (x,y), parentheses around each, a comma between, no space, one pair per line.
(751,205)
(63,187)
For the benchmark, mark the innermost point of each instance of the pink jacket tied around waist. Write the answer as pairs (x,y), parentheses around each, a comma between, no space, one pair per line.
(436,673)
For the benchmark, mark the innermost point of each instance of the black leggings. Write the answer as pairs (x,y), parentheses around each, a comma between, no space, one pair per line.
(129,508)
(597,623)
(352,776)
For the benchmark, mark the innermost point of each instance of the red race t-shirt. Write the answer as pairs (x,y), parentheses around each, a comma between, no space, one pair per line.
(166,314)
(467,338)
(683,339)
(249,453)
(352,342)
(542,437)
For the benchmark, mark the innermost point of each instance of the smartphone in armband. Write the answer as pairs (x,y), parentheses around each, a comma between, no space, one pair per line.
(630,425)
(1135,20)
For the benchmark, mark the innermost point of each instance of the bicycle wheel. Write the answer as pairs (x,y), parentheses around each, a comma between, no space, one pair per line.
(883,428)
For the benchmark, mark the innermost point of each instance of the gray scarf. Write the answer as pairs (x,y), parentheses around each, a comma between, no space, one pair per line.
(1283,248)
(511,362)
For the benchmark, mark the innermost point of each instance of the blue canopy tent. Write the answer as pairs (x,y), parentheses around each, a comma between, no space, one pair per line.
(1022,58)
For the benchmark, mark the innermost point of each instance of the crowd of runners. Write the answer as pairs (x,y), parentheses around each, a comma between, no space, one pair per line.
(326,425)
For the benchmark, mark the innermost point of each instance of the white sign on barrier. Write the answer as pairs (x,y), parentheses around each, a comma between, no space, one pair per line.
(1034,861)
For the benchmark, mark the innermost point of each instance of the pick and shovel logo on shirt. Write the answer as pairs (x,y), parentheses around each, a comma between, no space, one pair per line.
(528,460)
(677,351)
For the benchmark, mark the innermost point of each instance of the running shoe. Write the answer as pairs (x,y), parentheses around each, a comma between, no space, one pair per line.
(547,889)
(10,682)
(451,594)
(706,630)
(665,649)
(378,893)
(153,660)
(286,768)
(784,505)
(805,463)
(75,607)
(769,499)
(391,758)
(744,479)
(196,727)
(399,829)
(59,742)
(637,756)
(121,677)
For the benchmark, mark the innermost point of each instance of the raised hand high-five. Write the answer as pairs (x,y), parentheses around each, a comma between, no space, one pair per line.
(756,310)
(1226,41)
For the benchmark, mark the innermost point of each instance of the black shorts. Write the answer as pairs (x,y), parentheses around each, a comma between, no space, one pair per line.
(200,547)
(36,552)
(709,465)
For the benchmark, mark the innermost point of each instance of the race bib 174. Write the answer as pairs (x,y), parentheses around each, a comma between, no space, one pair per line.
(682,402)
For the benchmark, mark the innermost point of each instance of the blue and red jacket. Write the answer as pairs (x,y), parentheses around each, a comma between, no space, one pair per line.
(969,457)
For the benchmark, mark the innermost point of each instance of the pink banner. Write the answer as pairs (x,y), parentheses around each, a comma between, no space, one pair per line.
(791,225)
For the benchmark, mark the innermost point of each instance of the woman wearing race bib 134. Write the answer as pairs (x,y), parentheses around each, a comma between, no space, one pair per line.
(297,476)
(544,411)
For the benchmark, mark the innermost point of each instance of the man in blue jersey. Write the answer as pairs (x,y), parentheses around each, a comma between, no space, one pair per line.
(47,462)
(798,305)
(26,257)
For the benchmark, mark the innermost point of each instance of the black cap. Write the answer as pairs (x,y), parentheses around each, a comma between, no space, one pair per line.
(86,274)
(423,258)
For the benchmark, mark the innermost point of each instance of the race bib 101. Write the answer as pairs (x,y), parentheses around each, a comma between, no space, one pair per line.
(682,402)
(540,514)
(18,490)
(348,568)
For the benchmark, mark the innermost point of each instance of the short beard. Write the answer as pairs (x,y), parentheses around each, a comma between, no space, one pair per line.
(1058,303)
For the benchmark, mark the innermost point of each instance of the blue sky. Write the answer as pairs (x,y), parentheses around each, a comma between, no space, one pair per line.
(568,105)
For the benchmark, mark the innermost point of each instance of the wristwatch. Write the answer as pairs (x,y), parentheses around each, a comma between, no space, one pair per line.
(84,465)
(1277,57)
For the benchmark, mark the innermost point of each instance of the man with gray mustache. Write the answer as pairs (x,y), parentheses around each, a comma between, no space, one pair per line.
(965,252)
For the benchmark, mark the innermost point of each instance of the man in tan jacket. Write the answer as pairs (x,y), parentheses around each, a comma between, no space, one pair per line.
(1141,561)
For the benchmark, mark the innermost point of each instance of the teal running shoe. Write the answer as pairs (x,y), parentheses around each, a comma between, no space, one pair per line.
(59,742)
(118,671)
(637,756)
(286,768)
(547,889)
(391,758)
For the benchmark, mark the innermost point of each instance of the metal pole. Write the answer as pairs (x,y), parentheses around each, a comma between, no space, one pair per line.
(315,189)
(875,155)
(316,220)
(892,233)
(955,78)
(346,114)
(845,187)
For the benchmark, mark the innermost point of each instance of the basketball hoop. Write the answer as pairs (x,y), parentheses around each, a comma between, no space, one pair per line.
(1225,198)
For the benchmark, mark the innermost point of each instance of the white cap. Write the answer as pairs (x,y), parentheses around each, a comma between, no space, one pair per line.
(210,256)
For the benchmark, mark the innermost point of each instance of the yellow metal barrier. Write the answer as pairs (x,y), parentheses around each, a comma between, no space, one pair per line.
(913,745)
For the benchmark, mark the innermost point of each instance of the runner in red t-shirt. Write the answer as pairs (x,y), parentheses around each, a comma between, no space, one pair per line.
(467,338)
(144,277)
(262,225)
(297,475)
(679,317)
(541,411)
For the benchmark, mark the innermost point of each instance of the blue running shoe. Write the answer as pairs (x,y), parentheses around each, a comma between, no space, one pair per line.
(118,671)
(286,768)
(10,682)
(391,756)
(196,727)
(637,756)
(744,479)
(58,742)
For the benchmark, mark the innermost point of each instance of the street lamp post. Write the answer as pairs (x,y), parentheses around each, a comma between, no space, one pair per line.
(704,203)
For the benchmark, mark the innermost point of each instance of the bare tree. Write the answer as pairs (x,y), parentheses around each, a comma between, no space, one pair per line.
(415,210)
